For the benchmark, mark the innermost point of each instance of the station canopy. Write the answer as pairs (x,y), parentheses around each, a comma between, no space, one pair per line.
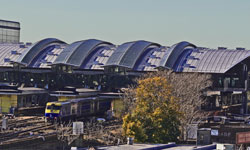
(93,54)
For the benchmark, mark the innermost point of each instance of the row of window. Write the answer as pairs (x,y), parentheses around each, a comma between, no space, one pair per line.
(9,35)
(230,82)
(9,24)
(9,32)
(9,39)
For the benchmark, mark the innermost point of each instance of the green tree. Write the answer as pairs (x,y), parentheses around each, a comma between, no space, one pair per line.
(155,114)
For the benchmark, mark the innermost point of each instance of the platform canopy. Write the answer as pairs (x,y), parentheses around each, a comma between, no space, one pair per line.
(137,56)
(86,54)
(41,54)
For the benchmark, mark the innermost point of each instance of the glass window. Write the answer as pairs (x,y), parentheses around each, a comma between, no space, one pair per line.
(9,35)
(54,107)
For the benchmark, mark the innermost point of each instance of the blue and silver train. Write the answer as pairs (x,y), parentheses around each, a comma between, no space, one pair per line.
(75,108)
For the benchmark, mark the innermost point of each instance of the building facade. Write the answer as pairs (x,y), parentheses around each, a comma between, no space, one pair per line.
(53,64)
(9,31)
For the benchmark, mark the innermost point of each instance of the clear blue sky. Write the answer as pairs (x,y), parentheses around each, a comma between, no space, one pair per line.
(209,23)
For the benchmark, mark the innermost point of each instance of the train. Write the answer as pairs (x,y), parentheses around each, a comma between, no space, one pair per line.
(76,108)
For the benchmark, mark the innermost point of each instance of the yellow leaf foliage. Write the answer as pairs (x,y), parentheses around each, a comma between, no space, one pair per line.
(155,117)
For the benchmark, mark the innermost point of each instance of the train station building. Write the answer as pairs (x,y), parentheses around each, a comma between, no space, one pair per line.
(95,67)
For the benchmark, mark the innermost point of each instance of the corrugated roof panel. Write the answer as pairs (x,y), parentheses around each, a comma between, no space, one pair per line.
(221,61)
(66,53)
(214,61)
(228,59)
(83,54)
(6,52)
(116,57)
(208,65)
(129,54)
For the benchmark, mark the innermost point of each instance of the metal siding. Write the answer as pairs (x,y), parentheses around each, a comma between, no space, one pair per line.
(209,63)
(212,64)
(221,62)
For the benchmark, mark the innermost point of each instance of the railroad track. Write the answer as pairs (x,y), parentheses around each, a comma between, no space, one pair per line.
(23,127)
(34,128)
(13,122)
(24,124)
(24,133)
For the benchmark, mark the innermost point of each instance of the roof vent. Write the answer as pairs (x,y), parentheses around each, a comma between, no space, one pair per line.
(240,48)
(6,60)
(192,57)
(28,43)
(22,46)
(222,48)
(14,52)
(50,53)
(43,61)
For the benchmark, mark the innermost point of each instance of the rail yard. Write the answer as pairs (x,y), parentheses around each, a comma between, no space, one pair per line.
(33,130)
(25,129)
(92,92)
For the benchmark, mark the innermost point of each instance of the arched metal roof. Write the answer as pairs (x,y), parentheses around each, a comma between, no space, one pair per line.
(150,59)
(98,57)
(171,56)
(35,50)
(75,53)
(137,55)
(212,61)
(127,54)
(47,56)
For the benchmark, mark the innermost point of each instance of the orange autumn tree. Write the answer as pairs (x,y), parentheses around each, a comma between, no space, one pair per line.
(155,116)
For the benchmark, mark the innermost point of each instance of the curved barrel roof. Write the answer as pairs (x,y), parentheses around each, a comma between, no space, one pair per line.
(47,56)
(169,59)
(98,57)
(35,50)
(150,59)
(140,55)
(76,53)
(127,54)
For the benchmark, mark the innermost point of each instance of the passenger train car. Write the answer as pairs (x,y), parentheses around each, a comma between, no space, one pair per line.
(75,108)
